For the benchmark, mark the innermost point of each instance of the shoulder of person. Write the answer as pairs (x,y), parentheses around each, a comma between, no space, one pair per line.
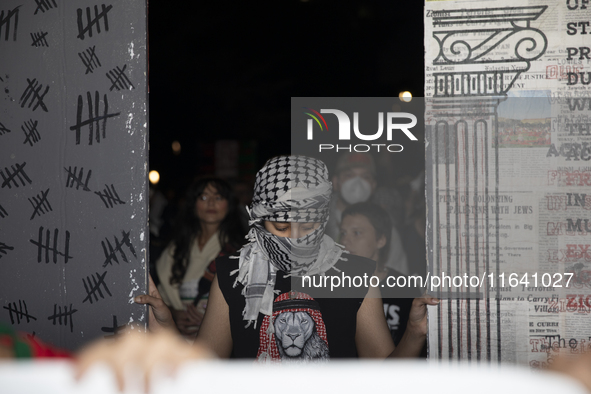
(225,263)
(357,265)
(228,249)
(408,288)
(393,272)
(350,278)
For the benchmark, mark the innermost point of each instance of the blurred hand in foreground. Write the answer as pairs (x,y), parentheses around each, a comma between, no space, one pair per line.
(142,351)
(578,367)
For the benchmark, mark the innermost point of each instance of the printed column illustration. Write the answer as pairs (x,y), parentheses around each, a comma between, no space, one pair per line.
(471,76)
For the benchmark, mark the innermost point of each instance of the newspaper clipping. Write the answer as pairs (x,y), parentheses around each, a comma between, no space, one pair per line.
(508,174)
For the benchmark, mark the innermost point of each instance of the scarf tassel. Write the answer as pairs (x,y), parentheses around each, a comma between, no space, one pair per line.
(271,328)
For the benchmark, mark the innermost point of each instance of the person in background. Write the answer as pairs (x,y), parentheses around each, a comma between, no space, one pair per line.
(366,231)
(208,226)
(355,181)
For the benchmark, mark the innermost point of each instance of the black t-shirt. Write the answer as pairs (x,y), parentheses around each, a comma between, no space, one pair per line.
(397,303)
(333,314)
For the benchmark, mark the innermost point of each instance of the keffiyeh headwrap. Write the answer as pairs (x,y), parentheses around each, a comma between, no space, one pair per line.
(287,189)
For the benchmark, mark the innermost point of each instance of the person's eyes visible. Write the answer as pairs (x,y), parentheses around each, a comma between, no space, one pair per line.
(358,232)
(281,228)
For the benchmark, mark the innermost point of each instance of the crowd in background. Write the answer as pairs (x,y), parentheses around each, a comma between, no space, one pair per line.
(369,219)
(369,215)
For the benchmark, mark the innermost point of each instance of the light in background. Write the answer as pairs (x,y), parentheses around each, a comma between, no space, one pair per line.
(405,96)
(176,148)
(154,177)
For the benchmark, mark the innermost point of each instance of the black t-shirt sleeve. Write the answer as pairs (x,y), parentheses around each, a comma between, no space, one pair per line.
(225,265)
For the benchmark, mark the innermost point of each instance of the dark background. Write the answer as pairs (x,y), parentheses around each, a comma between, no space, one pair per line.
(227,70)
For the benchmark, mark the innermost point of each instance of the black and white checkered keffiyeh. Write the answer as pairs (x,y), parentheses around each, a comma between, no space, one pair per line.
(287,189)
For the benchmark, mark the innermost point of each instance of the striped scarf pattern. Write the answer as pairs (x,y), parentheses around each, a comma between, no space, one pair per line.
(287,189)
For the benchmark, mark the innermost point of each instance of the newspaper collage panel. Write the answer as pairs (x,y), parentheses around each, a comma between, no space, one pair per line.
(508,173)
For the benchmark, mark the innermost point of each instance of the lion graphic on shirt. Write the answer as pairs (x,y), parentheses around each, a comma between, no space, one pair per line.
(297,339)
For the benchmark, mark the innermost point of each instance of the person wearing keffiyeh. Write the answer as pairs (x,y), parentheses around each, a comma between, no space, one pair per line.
(287,222)
(290,192)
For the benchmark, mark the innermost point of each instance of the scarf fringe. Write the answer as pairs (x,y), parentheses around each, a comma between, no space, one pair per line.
(255,268)
(271,328)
